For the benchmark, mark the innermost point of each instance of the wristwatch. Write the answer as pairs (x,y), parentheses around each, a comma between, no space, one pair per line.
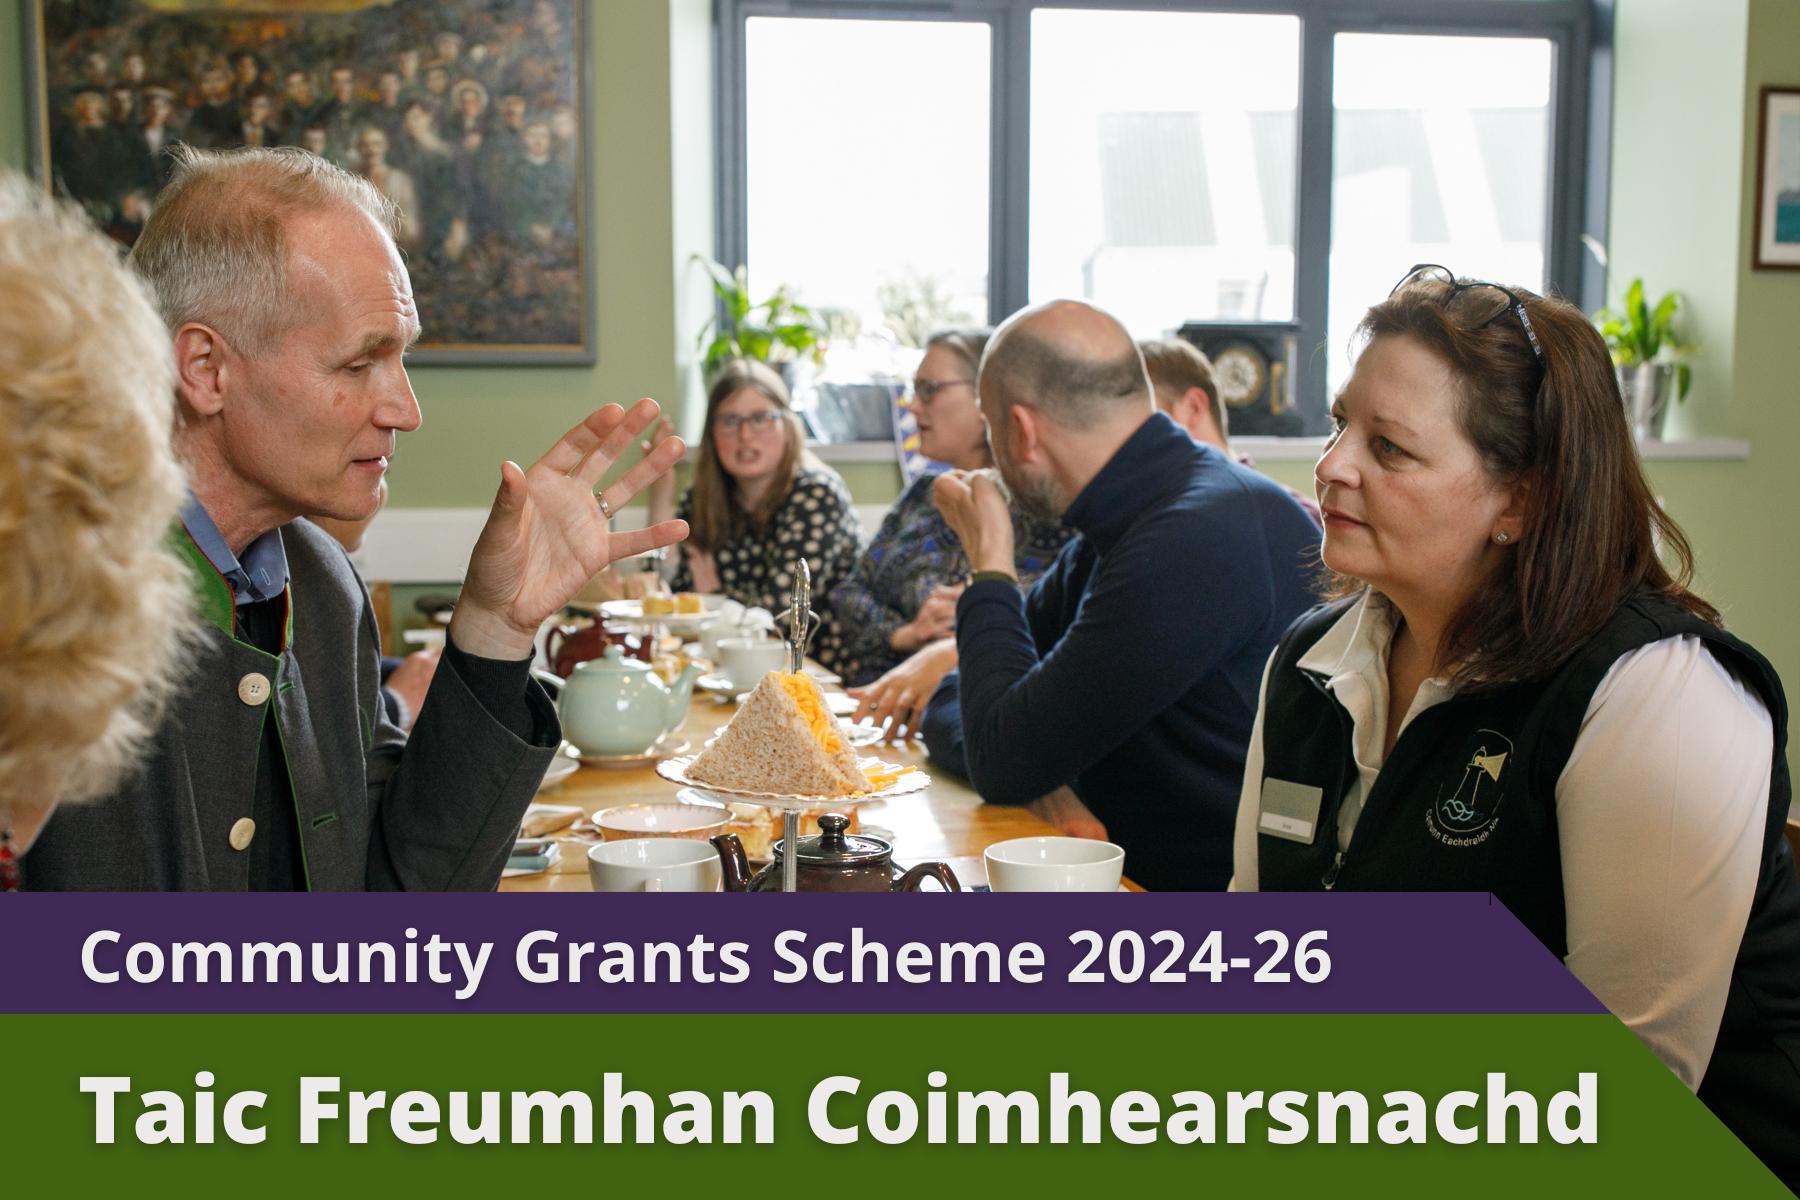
(995,576)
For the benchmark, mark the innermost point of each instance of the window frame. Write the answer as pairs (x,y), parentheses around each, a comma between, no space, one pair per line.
(1576,201)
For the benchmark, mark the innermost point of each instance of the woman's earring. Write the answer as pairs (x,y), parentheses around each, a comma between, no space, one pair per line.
(1502,537)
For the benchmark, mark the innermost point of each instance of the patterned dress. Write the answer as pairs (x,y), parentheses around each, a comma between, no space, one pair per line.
(818,522)
(914,552)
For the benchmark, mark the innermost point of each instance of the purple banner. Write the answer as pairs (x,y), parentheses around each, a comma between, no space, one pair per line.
(1194,952)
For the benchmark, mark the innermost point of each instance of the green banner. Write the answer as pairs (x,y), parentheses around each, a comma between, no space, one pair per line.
(1631,1124)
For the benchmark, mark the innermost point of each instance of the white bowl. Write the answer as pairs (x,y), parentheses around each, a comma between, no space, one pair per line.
(1054,864)
(694,821)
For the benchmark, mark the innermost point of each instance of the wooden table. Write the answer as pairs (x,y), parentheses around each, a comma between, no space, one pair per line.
(947,821)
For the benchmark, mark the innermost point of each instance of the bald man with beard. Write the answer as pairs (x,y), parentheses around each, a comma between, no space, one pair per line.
(1117,695)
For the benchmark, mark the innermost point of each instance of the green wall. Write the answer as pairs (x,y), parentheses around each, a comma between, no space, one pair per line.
(12,94)
(1663,227)
(1684,174)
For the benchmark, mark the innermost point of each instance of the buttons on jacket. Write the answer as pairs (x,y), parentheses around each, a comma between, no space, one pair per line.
(253,688)
(243,830)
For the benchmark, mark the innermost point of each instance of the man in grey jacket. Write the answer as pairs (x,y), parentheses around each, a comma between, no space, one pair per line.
(277,769)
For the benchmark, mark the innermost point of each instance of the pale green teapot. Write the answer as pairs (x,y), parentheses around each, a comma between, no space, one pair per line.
(614,706)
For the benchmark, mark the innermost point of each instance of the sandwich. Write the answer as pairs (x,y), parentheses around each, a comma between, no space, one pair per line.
(784,740)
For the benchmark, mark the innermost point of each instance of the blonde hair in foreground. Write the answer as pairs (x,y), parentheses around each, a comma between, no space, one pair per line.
(93,607)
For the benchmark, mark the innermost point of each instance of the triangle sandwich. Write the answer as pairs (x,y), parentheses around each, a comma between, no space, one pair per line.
(783,739)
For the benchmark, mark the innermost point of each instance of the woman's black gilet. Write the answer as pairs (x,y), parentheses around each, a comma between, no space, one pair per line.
(1467,802)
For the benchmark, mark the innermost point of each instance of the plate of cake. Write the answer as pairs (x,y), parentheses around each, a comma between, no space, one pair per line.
(685,610)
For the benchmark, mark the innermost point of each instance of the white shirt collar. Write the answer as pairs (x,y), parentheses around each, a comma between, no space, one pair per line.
(1356,642)
(1353,658)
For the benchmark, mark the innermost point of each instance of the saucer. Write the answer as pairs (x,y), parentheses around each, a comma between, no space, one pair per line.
(716,684)
(861,734)
(561,767)
(668,747)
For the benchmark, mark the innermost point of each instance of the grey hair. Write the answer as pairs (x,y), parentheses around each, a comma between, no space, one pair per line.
(966,344)
(1075,393)
(214,251)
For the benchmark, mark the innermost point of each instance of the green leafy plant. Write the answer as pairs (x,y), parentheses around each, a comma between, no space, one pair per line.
(773,330)
(1641,333)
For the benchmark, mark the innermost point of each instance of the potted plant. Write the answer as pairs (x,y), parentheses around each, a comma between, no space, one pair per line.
(1650,361)
(777,330)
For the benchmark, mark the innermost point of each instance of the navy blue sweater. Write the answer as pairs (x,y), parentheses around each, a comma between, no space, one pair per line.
(1130,670)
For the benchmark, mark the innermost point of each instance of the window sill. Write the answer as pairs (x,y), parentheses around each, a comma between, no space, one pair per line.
(854,452)
(1696,450)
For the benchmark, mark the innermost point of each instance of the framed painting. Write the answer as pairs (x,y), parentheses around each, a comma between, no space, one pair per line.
(470,115)
(1778,180)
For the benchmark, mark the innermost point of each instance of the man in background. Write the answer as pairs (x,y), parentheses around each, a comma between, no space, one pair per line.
(1182,377)
(216,121)
(1121,690)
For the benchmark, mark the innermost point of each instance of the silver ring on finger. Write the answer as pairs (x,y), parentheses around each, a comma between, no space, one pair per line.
(605,508)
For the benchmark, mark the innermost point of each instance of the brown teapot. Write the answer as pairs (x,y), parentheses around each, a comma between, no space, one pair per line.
(570,644)
(833,861)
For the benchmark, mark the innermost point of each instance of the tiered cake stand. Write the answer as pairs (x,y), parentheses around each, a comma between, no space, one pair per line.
(676,771)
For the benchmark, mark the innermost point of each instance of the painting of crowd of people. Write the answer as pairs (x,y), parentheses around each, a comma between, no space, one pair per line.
(466,113)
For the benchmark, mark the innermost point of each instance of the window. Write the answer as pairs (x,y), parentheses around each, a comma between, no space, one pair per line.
(1162,188)
(908,164)
(1440,154)
(867,164)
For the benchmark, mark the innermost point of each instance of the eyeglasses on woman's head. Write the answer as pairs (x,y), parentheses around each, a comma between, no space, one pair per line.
(1514,303)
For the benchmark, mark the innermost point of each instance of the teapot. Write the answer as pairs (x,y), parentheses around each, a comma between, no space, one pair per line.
(569,644)
(614,706)
(832,861)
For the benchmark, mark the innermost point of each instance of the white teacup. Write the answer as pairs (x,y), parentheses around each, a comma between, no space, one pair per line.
(714,632)
(654,865)
(1054,864)
(744,661)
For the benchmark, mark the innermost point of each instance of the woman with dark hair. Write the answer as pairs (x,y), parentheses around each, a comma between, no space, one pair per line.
(760,501)
(1510,692)
(896,612)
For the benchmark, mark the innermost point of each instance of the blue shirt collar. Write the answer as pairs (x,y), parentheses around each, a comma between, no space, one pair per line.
(261,574)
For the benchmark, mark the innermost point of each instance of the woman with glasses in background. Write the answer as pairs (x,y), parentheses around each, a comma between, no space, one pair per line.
(896,612)
(1510,692)
(760,501)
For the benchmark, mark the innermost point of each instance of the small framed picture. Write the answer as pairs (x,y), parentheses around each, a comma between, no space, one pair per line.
(1778,181)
